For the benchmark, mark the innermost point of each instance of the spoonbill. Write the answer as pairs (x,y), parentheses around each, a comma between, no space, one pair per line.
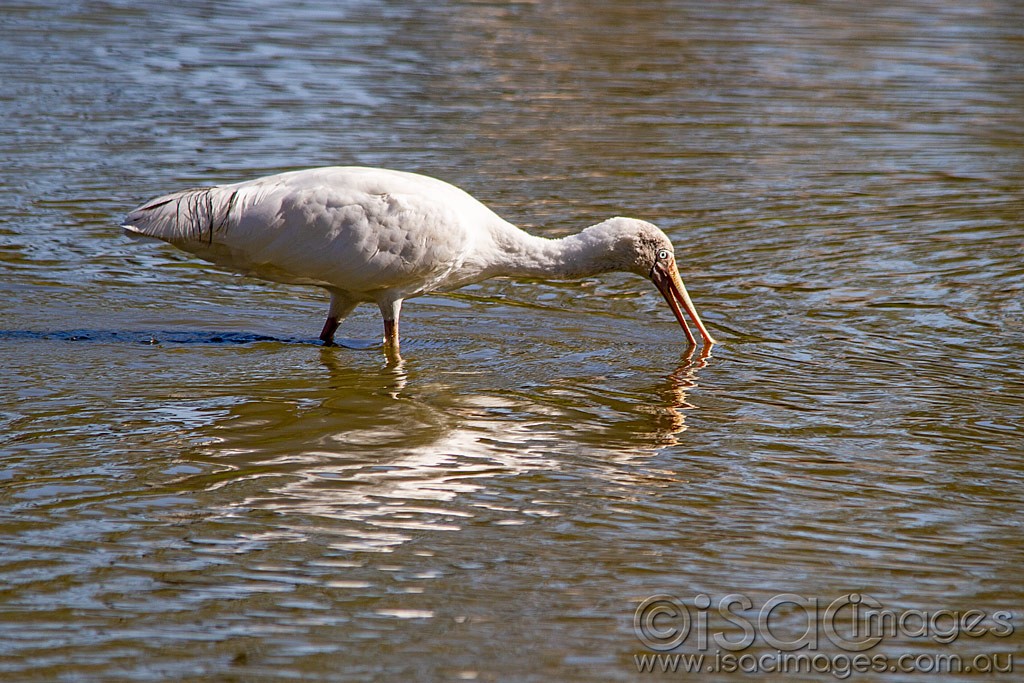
(380,236)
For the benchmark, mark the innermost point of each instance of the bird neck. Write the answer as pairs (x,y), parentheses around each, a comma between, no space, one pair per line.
(520,254)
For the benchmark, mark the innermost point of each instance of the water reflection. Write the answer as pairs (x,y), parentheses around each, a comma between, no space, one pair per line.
(673,396)
(369,455)
(842,183)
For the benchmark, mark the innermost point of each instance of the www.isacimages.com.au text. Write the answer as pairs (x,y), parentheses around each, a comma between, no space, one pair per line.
(841,666)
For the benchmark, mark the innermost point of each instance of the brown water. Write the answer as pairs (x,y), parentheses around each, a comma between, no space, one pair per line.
(192,489)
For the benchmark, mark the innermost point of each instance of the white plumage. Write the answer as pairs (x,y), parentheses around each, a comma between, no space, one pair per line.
(381,236)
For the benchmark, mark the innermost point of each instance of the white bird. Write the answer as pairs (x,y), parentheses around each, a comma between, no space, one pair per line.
(380,236)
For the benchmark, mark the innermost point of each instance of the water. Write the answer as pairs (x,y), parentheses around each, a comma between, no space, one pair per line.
(193,489)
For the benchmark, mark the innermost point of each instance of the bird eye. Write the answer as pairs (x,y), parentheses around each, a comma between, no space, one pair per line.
(663,254)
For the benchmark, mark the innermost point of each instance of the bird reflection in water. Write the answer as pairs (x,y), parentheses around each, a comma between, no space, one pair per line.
(673,393)
(374,456)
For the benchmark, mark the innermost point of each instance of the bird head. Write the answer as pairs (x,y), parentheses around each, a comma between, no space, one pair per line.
(640,247)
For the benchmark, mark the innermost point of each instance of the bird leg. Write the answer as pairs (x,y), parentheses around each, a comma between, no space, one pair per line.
(390,309)
(330,327)
(391,343)
(391,334)
(341,306)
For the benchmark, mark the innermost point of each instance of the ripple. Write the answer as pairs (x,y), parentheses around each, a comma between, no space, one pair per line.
(206,492)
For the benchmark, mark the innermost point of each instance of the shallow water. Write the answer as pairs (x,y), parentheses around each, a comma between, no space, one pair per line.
(191,488)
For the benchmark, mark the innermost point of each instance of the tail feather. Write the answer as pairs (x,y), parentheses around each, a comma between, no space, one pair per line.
(189,216)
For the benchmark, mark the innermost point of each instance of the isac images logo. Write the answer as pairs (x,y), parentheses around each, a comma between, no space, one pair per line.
(709,636)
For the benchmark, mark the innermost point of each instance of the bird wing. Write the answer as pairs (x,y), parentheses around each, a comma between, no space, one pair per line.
(359,230)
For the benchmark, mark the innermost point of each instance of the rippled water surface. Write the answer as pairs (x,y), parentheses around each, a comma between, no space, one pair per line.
(191,488)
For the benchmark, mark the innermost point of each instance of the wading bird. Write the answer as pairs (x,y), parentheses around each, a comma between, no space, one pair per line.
(379,236)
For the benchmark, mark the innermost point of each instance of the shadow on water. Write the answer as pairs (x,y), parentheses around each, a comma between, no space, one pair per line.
(153,337)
